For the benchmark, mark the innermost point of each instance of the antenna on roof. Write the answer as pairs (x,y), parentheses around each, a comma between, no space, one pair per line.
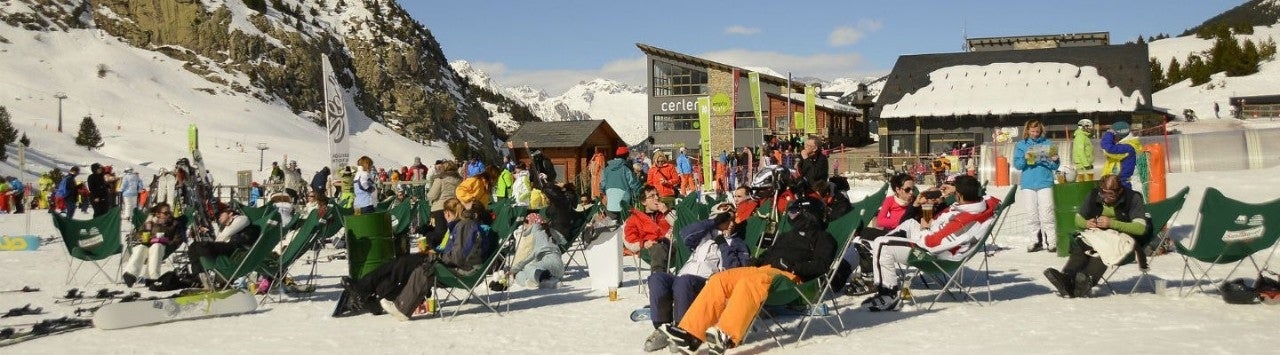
(964,32)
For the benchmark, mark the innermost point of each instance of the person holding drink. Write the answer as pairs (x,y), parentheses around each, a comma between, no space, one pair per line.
(160,231)
(1037,158)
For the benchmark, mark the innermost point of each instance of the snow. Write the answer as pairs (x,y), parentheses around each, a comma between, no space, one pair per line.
(1025,317)
(143,105)
(1006,88)
(1181,96)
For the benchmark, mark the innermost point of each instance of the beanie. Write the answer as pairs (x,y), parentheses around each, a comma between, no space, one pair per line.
(622,152)
(1121,128)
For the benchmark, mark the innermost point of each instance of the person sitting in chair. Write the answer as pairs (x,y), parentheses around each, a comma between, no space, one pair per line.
(715,247)
(159,232)
(724,309)
(650,229)
(1111,218)
(949,236)
(235,233)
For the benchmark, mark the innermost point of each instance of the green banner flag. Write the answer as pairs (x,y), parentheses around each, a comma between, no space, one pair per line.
(810,109)
(704,128)
(797,122)
(193,137)
(753,80)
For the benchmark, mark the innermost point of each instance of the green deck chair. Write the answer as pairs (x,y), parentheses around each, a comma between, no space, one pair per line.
(1228,232)
(1161,214)
(926,263)
(244,261)
(91,241)
(448,279)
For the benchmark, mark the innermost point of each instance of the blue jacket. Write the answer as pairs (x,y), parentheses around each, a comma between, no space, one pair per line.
(131,184)
(683,166)
(1124,152)
(733,252)
(66,187)
(1036,174)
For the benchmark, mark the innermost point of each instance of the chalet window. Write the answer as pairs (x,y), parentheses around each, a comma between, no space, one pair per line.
(684,122)
(672,80)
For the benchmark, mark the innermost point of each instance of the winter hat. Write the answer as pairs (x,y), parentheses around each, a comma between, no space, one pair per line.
(475,168)
(128,170)
(1085,123)
(1121,128)
(720,208)
(621,152)
(534,218)
(94,167)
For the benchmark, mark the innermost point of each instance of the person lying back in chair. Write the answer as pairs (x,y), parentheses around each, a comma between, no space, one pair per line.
(731,299)
(235,233)
(714,247)
(1111,218)
(951,235)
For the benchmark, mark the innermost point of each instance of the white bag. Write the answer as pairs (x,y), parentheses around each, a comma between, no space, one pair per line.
(1111,245)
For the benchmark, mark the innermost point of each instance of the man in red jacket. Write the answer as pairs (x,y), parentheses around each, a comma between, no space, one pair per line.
(650,229)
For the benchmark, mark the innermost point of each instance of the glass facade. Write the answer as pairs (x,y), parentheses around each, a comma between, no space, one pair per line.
(673,80)
(685,122)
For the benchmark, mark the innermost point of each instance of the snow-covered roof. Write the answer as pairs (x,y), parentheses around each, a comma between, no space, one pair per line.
(825,103)
(1083,79)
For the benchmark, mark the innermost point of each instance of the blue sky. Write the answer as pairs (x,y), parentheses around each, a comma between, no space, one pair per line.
(555,44)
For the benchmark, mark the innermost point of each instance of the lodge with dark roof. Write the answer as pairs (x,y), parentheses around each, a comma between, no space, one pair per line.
(568,144)
(677,80)
(932,101)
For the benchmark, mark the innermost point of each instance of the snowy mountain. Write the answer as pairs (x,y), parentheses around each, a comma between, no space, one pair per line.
(621,104)
(245,72)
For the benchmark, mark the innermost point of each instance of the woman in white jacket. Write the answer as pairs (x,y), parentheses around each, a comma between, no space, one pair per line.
(520,188)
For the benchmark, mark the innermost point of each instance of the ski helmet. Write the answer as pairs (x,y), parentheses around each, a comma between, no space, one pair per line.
(807,213)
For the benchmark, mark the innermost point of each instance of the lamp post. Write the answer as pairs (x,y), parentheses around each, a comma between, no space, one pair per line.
(262,150)
(862,99)
(60,96)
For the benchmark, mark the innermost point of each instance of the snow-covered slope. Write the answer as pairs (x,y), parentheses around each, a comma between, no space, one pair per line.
(1181,96)
(143,104)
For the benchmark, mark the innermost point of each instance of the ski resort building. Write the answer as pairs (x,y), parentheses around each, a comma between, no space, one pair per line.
(568,144)
(932,102)
(677,80)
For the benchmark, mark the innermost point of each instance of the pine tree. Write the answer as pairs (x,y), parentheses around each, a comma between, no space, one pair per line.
(1251,56)
(7,133)
(26,142)
(1157,76)
(1197,70)
(89,137)
(1174,75)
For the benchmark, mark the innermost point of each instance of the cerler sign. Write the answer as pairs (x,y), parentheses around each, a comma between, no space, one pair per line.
(678,105)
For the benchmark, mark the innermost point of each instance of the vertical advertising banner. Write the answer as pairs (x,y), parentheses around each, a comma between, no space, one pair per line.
(335,117)
(704,127)
(810,109)
(753,81)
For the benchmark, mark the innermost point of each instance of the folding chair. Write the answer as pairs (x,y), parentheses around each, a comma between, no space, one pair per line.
(92,241)
(1228,231)
(312,229)
(952,269)
(245,261)
(1161,213)
(448,279)
(574,247)
(814,294)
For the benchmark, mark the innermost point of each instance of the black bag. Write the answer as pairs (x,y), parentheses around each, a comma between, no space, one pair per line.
(171,280)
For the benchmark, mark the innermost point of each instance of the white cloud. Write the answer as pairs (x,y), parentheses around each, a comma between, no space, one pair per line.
(848,35)
(632,70)
(741,30)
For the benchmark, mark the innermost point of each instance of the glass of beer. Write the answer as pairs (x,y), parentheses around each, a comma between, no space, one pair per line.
(926,215)
(146,237)
(613,293)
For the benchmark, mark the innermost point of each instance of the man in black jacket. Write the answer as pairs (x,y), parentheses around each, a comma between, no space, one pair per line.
(731,298)
(813,164)
(100,195)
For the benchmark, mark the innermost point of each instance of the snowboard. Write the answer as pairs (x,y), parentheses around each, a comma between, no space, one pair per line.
(10,336)
(20,243)
(197,306)
(640,314)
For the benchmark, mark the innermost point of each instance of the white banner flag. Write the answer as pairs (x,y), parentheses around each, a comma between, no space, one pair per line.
(335,116)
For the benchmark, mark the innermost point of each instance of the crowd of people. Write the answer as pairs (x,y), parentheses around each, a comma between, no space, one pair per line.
(710,298)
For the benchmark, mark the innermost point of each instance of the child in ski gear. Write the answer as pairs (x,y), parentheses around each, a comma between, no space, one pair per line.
(1111,207)
(714,248)
(951,236)
(1082,150)
(724,309)
(1037,158)
(1121,148)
